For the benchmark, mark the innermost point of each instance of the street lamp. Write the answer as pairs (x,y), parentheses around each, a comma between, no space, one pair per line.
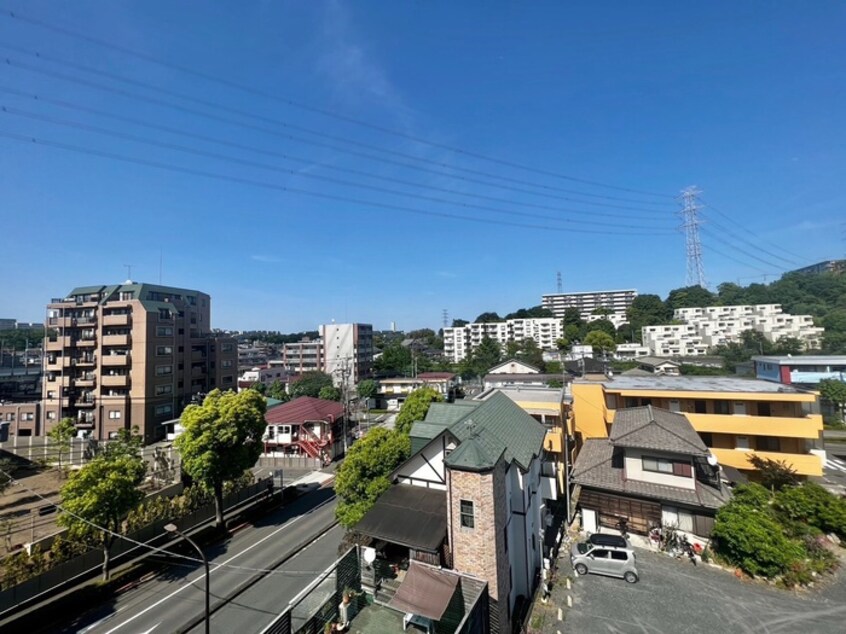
(171,528)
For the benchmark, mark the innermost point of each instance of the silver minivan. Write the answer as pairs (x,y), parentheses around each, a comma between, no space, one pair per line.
(604,560)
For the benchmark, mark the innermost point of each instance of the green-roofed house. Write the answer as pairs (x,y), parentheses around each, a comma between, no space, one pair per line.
(130,355)
(472,497)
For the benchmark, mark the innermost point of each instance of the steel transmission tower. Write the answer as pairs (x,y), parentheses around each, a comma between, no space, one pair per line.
(690,225)
(445,316)
(559,282)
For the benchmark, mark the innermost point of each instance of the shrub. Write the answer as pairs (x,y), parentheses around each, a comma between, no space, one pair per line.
(775,474)
(752,495)
(812,505)
(753,540)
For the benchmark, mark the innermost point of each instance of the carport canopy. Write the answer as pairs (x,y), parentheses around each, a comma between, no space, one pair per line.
(425,591)
(407,515)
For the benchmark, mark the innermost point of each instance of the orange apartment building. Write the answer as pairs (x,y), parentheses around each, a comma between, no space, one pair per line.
(130,355)
(734,417)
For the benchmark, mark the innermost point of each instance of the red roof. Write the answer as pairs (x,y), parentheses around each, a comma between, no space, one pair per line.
(305,408)
(433,376)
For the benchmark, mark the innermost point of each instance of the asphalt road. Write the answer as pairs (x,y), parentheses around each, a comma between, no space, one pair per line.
(173,599)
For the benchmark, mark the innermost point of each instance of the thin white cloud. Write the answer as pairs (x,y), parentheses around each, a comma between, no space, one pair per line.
(447,274)
(265,258)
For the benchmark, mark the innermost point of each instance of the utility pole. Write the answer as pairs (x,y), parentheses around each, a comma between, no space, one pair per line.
(693,247)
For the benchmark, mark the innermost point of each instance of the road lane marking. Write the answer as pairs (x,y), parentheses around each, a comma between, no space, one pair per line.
(216,567)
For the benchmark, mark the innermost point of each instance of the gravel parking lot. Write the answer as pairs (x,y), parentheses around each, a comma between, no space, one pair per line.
(675,596)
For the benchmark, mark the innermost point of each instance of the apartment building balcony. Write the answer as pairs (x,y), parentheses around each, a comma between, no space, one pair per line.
(114,360)
(808,426)
(198,355)
(84,381)
(116,320)
(806,464)
(86,361)
(85,342)
(114,380)
(57,344)
(87,401)
(115,340)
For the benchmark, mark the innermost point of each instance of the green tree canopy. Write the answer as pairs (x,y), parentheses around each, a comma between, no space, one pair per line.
(20,338)
(530,313)
(573,317)
(365,472)
(61,436)
(834,391)
(690,297)
(367,388)
(310,384)
(277,391)
(602,342)
(487,318)
(222,439)
(416,406)
(330,393)
(459,323)
(395,360)
(97,498)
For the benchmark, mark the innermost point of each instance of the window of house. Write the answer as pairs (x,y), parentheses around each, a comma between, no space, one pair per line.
(767,443)
(164,331)
(114,414)
(164,389)
(722,407)
(664,465)
(467,519)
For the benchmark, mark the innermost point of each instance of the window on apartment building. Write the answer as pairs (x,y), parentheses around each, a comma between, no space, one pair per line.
(181,331)
(163,410)
(227,380)
(164,331)
(228,364)
(467,518)
(226,347)
(665,465)
(164,350)
(27,416)
(114,414)
(164,389)
(164,370)
(700,407)
(722,407)
(10,416)
(767,443)
(51,415)
(764,409)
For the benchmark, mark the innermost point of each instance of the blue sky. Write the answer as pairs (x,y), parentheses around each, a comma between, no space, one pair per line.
(581,104)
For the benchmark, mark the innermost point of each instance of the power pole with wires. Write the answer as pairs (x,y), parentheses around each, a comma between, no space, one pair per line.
(693,247)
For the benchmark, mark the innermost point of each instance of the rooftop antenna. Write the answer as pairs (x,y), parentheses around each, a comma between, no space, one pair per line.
(559,282)
(128,273)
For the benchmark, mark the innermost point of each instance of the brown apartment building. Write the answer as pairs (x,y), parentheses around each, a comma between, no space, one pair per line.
(130,355)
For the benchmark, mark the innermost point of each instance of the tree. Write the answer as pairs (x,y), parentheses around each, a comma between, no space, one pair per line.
(365,473)
(602,342)
(834,391)
(775,474)
(811,505)
(278,391)
(459,323)
(330,393)
(97,498)
(486,355)
(691,297)
(487,318)
(222,439)
(603,325)
(416,406)
(62,435)
(310,384)
(572,317)
(530,313)
(259,387)
(395,360)
(367,388)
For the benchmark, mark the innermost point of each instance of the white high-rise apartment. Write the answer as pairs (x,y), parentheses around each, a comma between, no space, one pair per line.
(545,331)
(347,350)
(707,327)
(617,302)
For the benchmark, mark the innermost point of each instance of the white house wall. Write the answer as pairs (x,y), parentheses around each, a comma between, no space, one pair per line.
(426,468)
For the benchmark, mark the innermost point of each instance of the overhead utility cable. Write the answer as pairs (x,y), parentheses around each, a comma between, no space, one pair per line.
(296,190)
(322,111)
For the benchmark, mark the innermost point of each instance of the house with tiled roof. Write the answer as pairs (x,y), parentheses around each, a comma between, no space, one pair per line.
(653,470)
(305,426)
(472,497)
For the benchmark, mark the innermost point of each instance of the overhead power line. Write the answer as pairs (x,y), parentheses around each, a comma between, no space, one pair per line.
(322,111)
(296,190)
(247,163)
(749,254)
(288,157)
(732,235)
(251,116)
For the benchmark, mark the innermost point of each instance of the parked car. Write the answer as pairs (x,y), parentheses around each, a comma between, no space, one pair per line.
(604,560)
(604,539)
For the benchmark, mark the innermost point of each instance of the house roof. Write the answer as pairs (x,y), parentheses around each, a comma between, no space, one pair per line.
(499,428)
(436,376)
(589,364)
(446,414)
(426,591)
(273,402)
(595,468)
(655,428)
(518,378)
(636,372)
(304,408)
(407,515)
(653,361)
(508,362)
(730,384)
